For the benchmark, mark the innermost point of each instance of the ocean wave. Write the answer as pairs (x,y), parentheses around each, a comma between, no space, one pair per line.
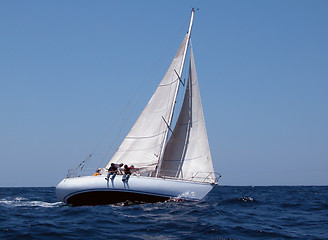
(226,213)
(24,202)
(240,200)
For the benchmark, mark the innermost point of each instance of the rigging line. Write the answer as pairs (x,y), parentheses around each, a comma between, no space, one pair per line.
(114,123)
(179,78)
(111,127)
(167,125)
(188,35)
(159,63)
(117,137)
(80,167)
(168,111)
(151,75)
(181,95)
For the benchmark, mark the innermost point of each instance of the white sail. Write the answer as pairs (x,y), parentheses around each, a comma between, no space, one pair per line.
(143,144)
(187,154)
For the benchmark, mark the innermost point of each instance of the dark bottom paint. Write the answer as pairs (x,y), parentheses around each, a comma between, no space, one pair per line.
(111,197)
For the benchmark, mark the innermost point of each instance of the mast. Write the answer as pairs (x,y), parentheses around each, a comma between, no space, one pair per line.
(176,92)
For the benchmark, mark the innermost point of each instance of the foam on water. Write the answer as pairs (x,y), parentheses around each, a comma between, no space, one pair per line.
(186,195)
(24,202)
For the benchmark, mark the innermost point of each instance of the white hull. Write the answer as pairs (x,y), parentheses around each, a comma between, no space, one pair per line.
(93,190)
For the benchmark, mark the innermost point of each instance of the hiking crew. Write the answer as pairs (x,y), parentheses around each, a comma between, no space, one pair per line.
(112,171)
(115,169)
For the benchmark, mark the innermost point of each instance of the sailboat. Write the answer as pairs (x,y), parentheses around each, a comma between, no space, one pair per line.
(172,164)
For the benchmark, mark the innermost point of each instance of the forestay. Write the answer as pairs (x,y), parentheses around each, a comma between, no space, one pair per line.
(187,154)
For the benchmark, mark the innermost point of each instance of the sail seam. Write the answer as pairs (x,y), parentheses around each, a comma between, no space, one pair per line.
(135,137)
(186,159)
(163,85)
(187,123)
(137,150)
(153,112)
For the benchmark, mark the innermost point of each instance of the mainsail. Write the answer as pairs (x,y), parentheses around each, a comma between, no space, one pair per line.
(143,145)
(187,154)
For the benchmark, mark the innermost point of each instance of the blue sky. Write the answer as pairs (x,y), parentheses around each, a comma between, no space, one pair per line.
(74,75)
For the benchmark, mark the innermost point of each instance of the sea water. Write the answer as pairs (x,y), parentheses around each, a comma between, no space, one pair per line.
(278,212)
